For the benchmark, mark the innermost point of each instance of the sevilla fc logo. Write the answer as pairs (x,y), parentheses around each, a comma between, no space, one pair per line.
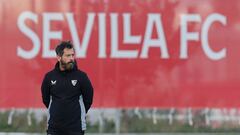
(74,82)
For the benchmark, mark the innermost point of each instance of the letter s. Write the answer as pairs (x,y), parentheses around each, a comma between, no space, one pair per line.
(30,34)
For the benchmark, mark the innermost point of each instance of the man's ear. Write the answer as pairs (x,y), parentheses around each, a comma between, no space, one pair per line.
(58,58)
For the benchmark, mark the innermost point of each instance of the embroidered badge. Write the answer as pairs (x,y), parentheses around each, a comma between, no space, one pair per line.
(53,82)
(74,82)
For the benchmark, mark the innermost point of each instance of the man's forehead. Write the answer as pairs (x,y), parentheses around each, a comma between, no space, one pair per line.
(67,50)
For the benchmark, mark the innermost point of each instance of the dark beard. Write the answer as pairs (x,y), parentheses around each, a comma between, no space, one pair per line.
(67,66)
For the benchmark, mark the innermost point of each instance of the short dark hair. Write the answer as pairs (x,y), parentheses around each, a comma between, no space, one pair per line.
(60,47)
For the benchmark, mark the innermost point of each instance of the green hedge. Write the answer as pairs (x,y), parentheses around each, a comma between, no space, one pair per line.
(130,123)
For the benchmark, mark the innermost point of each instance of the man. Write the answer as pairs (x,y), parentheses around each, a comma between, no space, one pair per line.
(67,93)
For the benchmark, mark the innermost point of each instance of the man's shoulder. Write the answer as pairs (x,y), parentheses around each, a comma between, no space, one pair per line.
(81,72)
(49,73)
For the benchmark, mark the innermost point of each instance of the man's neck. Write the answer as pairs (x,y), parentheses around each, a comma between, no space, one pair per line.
(61,68)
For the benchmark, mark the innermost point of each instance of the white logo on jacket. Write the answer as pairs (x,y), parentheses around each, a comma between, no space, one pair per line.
(74,82)
(53,82)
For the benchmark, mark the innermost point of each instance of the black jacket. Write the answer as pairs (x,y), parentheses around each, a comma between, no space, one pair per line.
(68,96)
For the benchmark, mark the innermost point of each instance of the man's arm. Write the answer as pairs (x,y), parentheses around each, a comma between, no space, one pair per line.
(45,91)
(87,92)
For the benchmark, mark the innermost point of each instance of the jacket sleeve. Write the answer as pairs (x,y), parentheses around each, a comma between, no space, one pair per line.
(45,89)
(87,92)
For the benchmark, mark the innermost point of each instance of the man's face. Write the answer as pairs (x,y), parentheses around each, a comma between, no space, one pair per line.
(67,59)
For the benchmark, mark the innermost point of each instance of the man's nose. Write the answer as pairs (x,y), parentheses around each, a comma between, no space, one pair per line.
(71,58)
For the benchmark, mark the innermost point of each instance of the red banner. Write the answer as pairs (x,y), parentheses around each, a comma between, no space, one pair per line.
(158,53)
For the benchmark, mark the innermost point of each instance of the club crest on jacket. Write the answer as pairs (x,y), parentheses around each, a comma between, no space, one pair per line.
(74,82)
